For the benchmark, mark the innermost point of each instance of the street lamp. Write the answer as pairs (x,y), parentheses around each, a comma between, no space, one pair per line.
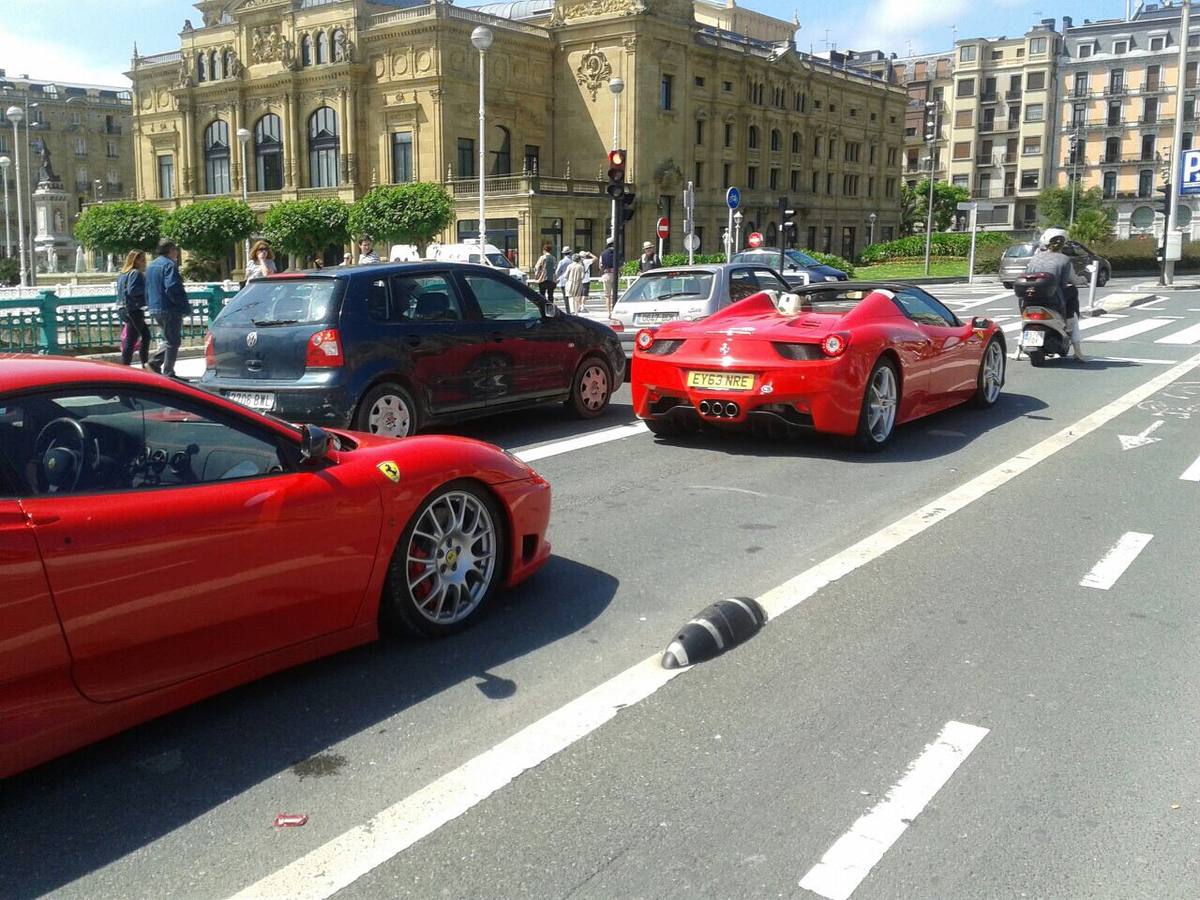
(931,133)
(871,225)
(737,233)
(1074,171)
(243,136)
(481,38)
(15,114)
(5,162)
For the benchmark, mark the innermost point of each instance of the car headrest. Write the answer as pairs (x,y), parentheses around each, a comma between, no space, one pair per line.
(433,306)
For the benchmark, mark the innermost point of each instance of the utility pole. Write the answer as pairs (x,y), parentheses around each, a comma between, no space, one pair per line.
(1176,150)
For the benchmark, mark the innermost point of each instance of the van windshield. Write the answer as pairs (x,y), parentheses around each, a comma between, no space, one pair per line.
(282,301)
(499,260)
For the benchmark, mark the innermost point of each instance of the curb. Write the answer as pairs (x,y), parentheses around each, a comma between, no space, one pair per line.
(1115,302)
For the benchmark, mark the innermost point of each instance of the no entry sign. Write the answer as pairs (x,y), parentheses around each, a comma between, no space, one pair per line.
(664,228)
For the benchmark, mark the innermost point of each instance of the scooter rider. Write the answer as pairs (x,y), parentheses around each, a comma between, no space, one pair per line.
(1052,261)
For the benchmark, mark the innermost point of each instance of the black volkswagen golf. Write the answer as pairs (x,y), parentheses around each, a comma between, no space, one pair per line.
(393,348)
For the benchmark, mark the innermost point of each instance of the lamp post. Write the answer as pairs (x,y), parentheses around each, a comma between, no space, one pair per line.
(871,226)
(481,38)
(931,108)
(243,136)
(1074,172)
(5,162)
(1176,147)
(15,114)
(737,230)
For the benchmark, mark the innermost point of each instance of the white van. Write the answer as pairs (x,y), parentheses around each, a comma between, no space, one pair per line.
(469,253)
(404,253)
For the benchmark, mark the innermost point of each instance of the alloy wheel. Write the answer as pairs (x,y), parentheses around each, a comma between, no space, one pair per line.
(881,407)
(390,416)
(451,558)
(993,372)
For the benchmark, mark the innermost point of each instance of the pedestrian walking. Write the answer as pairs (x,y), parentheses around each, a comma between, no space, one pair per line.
(131,308)
(262,262)
(560,273)
(543,273)
(608,271)
(588,261)
(366,251)
(649,259)
(573,284)
(168,303)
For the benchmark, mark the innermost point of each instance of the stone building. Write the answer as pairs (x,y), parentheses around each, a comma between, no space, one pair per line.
(87,130)
(340,95)
(1120,77)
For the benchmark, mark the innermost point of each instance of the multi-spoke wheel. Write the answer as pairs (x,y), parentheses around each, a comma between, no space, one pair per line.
(592,388)
(447,563)
(881,401)
(387,409)
(991,375)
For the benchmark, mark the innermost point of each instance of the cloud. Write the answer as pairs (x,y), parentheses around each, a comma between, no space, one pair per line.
(53,60)
(891,24)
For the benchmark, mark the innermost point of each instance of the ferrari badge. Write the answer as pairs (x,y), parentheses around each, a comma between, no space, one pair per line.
(390,469)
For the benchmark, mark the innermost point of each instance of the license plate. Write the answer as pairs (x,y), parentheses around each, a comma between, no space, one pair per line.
(654,318)
(720,381)
(252,399)
(1033,338)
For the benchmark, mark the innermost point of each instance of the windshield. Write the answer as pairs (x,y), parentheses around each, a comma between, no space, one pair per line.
(1019,250)
(665,284)
(499,260)
(284,301)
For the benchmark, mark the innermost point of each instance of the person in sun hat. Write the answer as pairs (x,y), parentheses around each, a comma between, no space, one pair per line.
(560,275)
(649,259)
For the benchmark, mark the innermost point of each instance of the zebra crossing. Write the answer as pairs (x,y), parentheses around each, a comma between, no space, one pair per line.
(1115,327)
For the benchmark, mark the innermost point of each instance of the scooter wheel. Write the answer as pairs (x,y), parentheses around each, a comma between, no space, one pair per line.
(1037,358)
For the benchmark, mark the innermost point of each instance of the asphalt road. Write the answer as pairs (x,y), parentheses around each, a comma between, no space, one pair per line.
(955,578)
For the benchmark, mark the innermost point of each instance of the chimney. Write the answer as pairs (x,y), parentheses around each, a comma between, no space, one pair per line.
(1067,23)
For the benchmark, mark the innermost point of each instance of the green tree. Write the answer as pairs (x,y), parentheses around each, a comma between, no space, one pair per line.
(1092,226)
(1054,204)
(305,228)
(946,198)
(208,228)
(120,226)
(908,208)
(403,213)
(10,271)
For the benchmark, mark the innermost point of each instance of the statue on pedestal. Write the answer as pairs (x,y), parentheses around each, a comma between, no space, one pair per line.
(46,173)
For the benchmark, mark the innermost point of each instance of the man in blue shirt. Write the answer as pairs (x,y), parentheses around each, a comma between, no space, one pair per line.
(168,304)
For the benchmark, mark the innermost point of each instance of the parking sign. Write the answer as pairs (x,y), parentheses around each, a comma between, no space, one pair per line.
(1189,181)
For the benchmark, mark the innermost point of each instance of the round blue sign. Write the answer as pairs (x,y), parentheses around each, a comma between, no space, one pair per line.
(733,198)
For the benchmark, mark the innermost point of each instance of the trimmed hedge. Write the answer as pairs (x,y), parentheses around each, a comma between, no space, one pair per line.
(670,260)
(942,243)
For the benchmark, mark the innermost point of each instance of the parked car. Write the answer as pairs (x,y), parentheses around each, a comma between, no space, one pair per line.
(687,292)
(799,268)
(159,545)
(469,253)
(395,347)
(1016,258)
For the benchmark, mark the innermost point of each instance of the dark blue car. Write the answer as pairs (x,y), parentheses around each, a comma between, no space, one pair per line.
(795,263)
(392,348)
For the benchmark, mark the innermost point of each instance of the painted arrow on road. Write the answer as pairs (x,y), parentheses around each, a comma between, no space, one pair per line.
(1130,441)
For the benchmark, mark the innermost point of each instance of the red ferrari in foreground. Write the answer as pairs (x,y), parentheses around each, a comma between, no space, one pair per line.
(159,544)
(846,358)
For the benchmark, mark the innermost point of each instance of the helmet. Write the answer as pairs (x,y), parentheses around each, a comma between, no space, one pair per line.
(1053,234)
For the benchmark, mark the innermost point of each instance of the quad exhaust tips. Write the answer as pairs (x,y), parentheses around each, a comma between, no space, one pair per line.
(714,630)
(718,410)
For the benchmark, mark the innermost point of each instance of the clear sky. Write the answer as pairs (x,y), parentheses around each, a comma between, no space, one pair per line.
(91,40)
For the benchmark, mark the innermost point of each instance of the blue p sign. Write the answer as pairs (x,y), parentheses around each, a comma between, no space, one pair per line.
(1189,182)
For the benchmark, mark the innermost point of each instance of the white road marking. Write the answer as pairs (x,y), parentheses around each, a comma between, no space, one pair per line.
(1095,321)
(992,299)
(1131,330)
(1188,336)
(592,439)
(1153,303)
(1114,563)
(845,864)
(1142,438)
(1135,359)
(730,490)
(1192,472)
(344,859)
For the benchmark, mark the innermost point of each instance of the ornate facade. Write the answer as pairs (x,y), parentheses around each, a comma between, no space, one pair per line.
(341,95)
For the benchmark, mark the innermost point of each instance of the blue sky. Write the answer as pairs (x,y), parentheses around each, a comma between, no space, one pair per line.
(91,40)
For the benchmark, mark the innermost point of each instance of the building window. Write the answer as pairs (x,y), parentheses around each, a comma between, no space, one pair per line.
(751,177)
(832,148)
(1145,182)
(728,134)
(1033,146)
(1110,185)
(216,158)
(1029,179)
(1037,45)
(1120,46)
(816,147)
(402,157)
(80,147)
(698,181)
(889,188)
(1036,81)
(1148,141)
(1112,150)
(794,182)
(1116,81)
(664,92)
(967,53)
(964,118)
(698,81)
(306,50)
(871,155)
(776,140)
(583,233)
(796,143)
(466,157)
(322,48)
(727,86)
(1189,80)
(1193,41)
(966,87)
(1114,113)
(323,147)
(1150,111)
(726,175)
(962,150)
(1035,112)
(752,137)
(1153,78)
(829,183)
(1157,43)
(699,132)
(166,176)
(502,157)
(1083,51)
(268,153)
(1186,143)
(774,179)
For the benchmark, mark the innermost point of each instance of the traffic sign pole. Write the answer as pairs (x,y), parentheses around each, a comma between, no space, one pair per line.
(971,261)
(732,199)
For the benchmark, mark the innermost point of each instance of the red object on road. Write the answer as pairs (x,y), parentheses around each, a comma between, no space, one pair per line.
(851,359)
(290,820)
(160,544)
(754,240)
(664,228)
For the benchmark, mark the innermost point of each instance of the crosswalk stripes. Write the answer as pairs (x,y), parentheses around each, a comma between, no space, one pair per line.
(1133,329)
(1189,335)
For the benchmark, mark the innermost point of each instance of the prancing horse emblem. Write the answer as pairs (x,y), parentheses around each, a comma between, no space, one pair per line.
(251,339)
(724,349)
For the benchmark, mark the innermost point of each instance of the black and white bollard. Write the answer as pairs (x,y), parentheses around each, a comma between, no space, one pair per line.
(714,630)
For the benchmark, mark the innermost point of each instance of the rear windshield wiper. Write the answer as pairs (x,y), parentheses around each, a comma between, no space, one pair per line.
(673,294)
(264,322)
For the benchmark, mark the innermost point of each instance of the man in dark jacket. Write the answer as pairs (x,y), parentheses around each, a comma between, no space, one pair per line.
(168,304)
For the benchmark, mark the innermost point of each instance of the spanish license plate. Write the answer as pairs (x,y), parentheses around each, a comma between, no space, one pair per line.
(253,399)
(654,318)
(720,381)
(1033,338)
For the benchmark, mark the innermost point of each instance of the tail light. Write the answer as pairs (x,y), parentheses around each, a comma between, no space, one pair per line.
(836,344)
(210,352)
(324,350)
(1038,315)
(616,325)
(644,339)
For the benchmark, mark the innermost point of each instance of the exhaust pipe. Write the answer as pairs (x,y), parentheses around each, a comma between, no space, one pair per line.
(731,410)
(705,408)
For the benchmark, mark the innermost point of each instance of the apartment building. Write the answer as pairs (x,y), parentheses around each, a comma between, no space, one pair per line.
(1120,78)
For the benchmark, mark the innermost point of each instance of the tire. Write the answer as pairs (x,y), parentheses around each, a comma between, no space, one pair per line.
(1007,285)
(662,427)
(880,404)
(591,388)
(460,530)
(389,410)
(991,375)
(1103,277)
(1037,358)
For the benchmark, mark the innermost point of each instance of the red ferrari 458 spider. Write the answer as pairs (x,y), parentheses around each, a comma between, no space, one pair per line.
(846,358)
(159,544)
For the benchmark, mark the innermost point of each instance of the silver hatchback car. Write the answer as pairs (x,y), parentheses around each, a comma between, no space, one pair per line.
(686,292)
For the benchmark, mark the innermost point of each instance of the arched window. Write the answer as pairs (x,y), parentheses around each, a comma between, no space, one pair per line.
(323,148)
(339,45)
(216,158)
(796,142)
(776,140)
(214,66)
(306,50)
(502,164)
(202,67)
(268,153)
(322,47)
(752,138)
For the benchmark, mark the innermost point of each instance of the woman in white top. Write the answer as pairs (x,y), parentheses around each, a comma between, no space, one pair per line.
(262,262)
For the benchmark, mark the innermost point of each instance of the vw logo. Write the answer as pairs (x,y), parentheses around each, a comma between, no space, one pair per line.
(251,339)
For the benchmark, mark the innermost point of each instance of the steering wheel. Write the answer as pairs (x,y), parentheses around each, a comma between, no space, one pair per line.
(61,465)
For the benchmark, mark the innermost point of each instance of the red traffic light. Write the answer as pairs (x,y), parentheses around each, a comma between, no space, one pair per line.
(616,158)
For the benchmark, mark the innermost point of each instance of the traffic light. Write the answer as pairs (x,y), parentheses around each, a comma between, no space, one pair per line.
(1165,203)
(627,198)
(616,174)
(931,120)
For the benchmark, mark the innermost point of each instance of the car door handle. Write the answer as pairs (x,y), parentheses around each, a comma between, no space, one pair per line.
(413,341)
(254,365)
(497,337)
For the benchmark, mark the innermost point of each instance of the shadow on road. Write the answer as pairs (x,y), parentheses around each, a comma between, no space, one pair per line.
(84,811)
(540,424)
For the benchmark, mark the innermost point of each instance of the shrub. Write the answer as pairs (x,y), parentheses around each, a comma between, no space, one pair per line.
(942,243)
(830,259)
(10,271)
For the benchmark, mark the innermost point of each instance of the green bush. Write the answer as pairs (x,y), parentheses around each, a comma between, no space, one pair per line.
(210,228)
(305,228)
(987,258)
(10,271)
(120,226)
(412,213)
(942,243)
(830,259)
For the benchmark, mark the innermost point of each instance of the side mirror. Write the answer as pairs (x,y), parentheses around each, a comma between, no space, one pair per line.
(314,444)
(550,309)
(980,322)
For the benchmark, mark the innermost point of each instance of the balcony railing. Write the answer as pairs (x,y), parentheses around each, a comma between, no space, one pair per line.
(1116,90)
(112,129)
(1154,87)
(1012,95)
(990,97)
(987,126)
(525,184)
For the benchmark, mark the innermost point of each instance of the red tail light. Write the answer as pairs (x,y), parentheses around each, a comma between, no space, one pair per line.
(1036,314)
(836,344)
(616,325)
(324,350)
(644,339)
(210,352)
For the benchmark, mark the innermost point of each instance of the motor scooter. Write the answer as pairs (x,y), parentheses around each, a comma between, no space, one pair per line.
(1045,330)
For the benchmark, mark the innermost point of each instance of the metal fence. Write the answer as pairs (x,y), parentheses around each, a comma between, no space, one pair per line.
(48,323)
